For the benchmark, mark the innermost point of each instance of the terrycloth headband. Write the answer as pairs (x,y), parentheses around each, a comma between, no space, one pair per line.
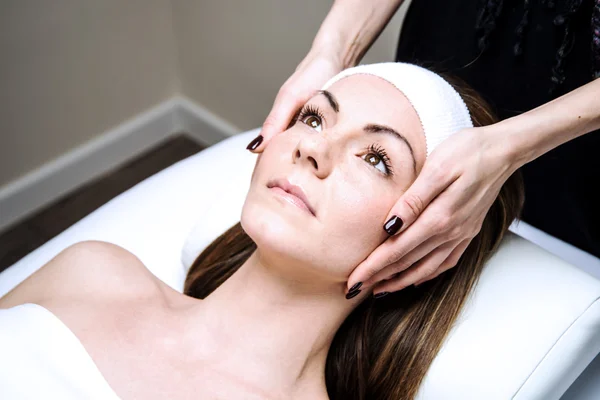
(440,108)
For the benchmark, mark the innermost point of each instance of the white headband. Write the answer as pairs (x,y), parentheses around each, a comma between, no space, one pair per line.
(440,108)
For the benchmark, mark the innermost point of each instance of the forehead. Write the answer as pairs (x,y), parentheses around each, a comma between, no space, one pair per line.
(368,99)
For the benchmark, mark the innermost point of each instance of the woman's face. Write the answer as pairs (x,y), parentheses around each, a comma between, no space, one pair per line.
(353,151)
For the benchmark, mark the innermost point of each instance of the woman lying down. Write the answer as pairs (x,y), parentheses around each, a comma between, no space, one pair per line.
(265,312)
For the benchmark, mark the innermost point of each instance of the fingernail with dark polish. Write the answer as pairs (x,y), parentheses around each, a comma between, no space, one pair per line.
(380,294)
(356,286)
(255,143)
(393,225)
(352,294)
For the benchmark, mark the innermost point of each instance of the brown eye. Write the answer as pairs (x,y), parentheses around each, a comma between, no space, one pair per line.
(376,161)
(372,159)
(313,121)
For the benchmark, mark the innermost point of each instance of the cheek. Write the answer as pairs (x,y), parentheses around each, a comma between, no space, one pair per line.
(278,152)
(354,225)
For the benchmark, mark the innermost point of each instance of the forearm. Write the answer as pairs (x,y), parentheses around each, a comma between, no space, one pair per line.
(351,26)
(531,134)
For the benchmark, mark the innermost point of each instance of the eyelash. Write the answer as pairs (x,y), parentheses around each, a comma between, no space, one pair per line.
(310,111)
(313,111)
(382,154)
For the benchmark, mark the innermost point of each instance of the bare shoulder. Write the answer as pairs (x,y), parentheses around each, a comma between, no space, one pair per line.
(89,269)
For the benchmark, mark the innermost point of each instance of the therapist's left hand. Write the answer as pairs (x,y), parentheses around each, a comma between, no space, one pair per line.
(441,212)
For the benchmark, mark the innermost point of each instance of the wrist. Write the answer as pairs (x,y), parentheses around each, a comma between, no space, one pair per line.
(510,142)
(335,48)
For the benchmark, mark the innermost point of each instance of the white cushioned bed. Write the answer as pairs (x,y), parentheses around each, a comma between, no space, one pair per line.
(529,330)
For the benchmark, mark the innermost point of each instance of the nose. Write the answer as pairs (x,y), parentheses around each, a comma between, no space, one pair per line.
(314,152)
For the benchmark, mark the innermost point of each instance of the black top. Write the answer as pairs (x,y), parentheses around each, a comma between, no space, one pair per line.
(562,195)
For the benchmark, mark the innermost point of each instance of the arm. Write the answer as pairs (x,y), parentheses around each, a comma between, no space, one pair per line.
(351,27)
(538,131)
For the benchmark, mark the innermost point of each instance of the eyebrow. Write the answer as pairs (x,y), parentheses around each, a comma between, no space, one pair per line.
(331,98)
(372,128)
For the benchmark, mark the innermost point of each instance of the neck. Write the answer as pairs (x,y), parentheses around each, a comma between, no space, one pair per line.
(271,331)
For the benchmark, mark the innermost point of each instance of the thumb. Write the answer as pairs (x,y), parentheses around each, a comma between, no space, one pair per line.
(414,201)
(278,120)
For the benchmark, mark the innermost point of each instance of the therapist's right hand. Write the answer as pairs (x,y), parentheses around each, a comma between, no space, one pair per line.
(310,75)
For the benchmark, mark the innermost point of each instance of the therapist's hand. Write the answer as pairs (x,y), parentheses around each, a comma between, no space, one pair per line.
(310,75)
(441,212)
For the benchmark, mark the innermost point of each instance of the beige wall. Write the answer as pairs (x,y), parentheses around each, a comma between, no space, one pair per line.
(235,54)
(72,69)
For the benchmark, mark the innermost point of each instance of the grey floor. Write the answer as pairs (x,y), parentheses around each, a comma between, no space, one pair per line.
(30,233)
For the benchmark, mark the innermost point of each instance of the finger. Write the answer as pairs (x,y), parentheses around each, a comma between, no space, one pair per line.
(428,185)
(285,106)
(423,268)
(405,262)
(389,252)
(450,262)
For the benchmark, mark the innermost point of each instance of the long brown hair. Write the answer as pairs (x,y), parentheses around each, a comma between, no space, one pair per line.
(385,346)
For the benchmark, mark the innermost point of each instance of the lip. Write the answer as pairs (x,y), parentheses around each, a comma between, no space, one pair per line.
(295,193)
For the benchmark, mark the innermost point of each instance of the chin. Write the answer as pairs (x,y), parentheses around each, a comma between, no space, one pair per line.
(272,231)
(282,243)
(284,235)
